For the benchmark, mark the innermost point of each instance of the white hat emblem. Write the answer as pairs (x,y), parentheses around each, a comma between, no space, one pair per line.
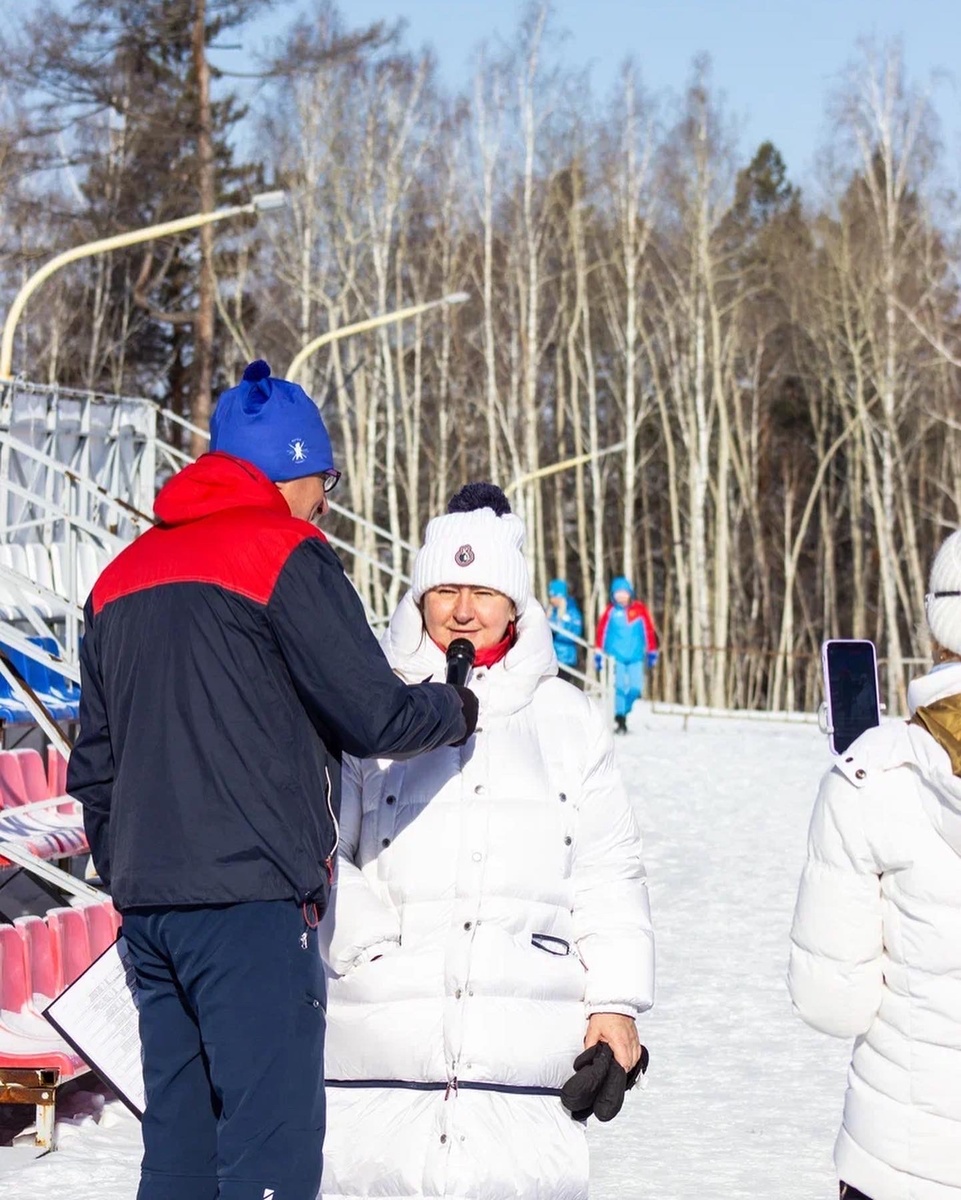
(298,450)
(464,556)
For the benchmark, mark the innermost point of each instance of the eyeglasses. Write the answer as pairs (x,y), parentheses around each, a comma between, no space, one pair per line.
(331,479)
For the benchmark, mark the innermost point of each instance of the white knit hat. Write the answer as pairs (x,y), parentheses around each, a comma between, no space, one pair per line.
(479,546)
(943,601)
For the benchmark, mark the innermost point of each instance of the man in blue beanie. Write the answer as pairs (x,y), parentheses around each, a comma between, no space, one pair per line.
(227,666)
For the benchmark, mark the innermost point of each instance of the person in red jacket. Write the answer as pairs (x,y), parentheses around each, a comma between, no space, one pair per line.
(227,666)
(626,633)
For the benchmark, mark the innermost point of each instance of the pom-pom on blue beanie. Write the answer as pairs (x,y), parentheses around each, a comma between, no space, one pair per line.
(273,424)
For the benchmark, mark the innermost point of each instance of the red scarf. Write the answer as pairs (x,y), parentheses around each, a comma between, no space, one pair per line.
(490,654)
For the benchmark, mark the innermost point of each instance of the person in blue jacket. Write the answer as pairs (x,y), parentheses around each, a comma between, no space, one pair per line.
(565,619)
(626,633)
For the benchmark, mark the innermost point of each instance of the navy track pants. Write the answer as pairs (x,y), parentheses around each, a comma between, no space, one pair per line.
(232,1017)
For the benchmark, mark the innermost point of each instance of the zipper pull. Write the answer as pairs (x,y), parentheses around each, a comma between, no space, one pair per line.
(451,1087)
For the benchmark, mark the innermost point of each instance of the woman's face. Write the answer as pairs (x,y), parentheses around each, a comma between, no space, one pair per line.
(479,614)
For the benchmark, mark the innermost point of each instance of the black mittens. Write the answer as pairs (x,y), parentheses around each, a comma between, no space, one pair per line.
(469,704)
(599,1083)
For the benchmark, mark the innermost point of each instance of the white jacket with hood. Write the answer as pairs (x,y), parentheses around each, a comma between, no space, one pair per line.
(488,899)
(876,951)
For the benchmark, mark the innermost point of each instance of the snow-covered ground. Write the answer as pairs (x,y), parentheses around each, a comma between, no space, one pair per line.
(742,1099)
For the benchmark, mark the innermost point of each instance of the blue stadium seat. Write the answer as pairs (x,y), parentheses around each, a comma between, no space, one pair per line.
(60,696)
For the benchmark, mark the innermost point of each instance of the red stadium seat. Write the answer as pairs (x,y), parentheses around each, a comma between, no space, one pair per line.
(15,996)
(46,981)
(27,1041)
(17,1014)
(57,776)
(68,929)
(100,927)
(13,791)
(34,775)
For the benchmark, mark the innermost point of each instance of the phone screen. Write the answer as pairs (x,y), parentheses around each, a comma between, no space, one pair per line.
(851,672)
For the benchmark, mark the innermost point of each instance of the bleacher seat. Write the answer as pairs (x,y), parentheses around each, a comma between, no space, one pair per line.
(17,1013)
(20,559)
(70,941)
(33,773)
(15,992)
(60,696)
(40,570)
(45,982)
(14,556)
(56,772)
(26,1039)
(100,927)
(47,564)
(91,560)
(13,790)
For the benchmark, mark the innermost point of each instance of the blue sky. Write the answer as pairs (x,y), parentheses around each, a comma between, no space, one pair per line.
(776,61)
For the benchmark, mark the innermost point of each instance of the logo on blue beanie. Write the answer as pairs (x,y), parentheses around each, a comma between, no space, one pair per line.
(273,424)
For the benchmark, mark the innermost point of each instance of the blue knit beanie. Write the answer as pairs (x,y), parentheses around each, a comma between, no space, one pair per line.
(273,424)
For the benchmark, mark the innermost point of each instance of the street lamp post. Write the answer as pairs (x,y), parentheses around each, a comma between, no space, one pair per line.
(605,676)
(561,466)
(333,335)
(260,203)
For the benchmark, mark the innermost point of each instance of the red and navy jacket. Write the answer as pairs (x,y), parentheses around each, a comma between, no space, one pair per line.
(635,647)
(226,666)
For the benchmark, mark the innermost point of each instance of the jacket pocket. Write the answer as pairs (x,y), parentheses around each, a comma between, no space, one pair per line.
(550,944)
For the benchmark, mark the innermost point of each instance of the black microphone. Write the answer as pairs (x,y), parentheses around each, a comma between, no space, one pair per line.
(460,659)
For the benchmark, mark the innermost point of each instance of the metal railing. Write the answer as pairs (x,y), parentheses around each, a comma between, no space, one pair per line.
(82,467)
(597,683)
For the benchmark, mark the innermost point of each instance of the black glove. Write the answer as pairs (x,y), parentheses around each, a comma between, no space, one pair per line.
(590,1071)
(599,1083)
(469,704)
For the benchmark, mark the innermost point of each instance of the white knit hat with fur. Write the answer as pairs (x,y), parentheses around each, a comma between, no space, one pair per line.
(479,542)
(943,601)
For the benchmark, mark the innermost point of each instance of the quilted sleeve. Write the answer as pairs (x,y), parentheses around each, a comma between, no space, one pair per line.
(835,971)
(612,916)
(357,925)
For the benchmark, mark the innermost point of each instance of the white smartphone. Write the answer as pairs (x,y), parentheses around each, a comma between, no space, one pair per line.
(851,686)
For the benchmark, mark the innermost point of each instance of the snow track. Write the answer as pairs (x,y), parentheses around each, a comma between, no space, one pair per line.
(742,1099)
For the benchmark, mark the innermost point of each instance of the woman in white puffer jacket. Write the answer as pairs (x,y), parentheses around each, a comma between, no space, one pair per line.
(490,913)
(876,943)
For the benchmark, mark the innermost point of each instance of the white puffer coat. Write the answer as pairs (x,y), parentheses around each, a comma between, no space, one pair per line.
(876,952)
(488,899)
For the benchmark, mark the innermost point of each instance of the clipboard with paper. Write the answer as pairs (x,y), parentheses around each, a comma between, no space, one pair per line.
(97,1015)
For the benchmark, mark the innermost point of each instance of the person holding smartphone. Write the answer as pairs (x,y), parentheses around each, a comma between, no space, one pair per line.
(876,940)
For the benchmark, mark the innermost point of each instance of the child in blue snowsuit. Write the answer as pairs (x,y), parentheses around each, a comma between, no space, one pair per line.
(626,633)
(565,618)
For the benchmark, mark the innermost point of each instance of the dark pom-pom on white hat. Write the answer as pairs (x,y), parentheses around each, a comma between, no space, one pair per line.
(473,496)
